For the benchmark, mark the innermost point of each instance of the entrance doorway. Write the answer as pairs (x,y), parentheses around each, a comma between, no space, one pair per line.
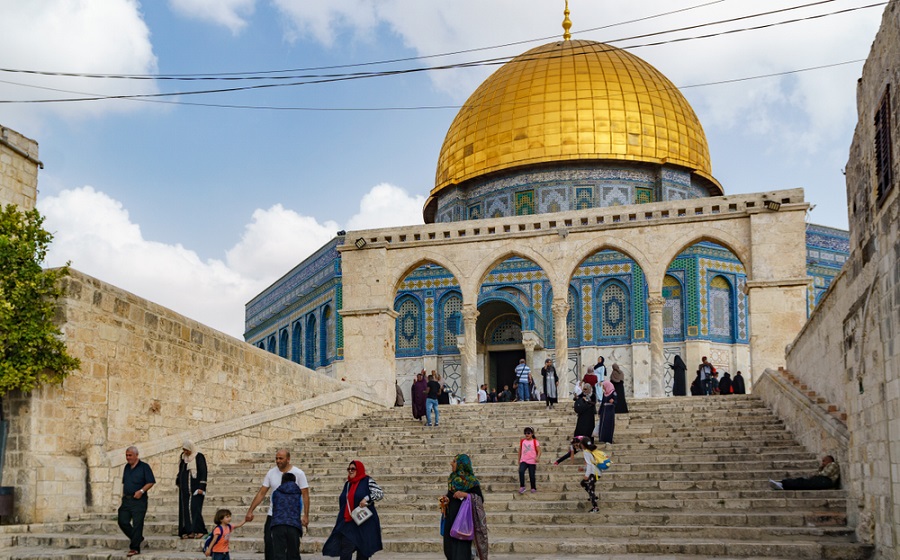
(503,366)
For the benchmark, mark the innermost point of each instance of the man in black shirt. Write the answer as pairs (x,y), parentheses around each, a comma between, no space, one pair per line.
(137,479)
(431,401)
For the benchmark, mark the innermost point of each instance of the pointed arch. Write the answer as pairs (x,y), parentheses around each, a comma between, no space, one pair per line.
(721,308)
(312,343)
(297,343)
(409,334)
(613,313)
(283,343)
(673,311)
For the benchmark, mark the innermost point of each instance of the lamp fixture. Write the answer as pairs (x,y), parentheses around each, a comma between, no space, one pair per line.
(360,243)
(772,205)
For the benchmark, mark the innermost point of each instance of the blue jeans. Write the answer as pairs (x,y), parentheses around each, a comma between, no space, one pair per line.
(707,386)
(429,405)
(524,392)
(221,556)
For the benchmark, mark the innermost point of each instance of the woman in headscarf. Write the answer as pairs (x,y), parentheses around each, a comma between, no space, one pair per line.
(191,483)
(347,537)
(419,389)
(618,380)
(679,381)
(607,412)
(460,484)
(725,384)
(584,408)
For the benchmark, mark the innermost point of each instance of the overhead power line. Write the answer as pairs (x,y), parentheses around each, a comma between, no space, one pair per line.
(457,107)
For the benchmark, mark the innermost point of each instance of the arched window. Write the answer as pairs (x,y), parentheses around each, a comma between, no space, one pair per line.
(507,331)
(297,343)
(613,313)
(409,328)
(283,343)
(572,318)
(261,344)
(451,312)
(311,342)
(721,309)
(326,343)
(270,344)
(673,311)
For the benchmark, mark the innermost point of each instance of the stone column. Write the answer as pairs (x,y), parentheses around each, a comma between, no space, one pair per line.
(529,343)
(561,334)
(468,350)
(657,358)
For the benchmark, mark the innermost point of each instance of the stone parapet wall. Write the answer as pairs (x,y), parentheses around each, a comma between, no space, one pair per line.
(148,374)
(18,169)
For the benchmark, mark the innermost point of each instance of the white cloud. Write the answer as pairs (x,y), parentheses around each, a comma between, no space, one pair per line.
(81,37)
(96,234)
(232,14)
(387,206)
(275,241)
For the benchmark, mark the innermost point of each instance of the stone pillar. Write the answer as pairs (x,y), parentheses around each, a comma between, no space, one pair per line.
(369,339)
(468,350)
(777,313)
(529,342)
(657,358)
(561,334)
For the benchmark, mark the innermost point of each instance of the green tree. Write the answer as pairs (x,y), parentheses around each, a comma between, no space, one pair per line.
(31,348)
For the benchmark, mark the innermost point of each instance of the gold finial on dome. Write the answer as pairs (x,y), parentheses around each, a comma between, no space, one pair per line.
(567,23)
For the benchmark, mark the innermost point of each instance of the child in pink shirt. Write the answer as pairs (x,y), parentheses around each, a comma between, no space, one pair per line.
(529,455)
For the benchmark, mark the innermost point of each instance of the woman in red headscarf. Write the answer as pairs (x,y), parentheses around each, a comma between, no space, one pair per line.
(347,537)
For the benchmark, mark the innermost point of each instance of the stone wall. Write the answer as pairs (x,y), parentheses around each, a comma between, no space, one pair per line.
(151,377)
(850,348)
(18,169)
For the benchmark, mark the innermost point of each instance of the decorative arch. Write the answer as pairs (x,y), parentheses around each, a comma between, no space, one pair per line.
(589,249)
(673,311)
(613,313)
(505,329)
(737,248)
(297,343)
(283,343)
(416,260)
(450,309)
(312,344)
(409,334)
(573,318)
(720,294)
(270,344)
(490,263)
(326,336)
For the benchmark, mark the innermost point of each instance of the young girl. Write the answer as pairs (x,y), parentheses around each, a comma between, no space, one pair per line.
(221,535)
(591,473)
(529,455)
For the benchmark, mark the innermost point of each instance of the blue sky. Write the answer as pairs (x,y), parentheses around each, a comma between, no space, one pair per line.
(199,208)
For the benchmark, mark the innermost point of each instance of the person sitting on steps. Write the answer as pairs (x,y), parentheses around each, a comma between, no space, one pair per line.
(827,477)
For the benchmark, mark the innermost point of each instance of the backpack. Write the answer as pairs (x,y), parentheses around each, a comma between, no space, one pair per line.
(208,540)
(601,460)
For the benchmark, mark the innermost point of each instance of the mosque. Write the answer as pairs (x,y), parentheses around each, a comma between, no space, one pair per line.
(574,215)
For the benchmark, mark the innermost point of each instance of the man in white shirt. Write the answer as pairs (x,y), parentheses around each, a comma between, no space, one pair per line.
(482,394)
(273,481)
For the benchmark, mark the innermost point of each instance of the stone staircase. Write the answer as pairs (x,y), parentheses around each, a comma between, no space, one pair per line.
(689,480)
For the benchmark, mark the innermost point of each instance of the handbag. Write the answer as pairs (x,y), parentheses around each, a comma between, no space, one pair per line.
(463,526)
(360,515)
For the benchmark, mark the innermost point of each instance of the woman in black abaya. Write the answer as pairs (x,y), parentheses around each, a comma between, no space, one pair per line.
(679,381)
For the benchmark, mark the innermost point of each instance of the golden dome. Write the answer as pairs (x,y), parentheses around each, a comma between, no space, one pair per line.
(572,101)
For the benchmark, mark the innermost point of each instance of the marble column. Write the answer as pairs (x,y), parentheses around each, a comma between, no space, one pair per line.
(469,354)
(656,303)
(560,309)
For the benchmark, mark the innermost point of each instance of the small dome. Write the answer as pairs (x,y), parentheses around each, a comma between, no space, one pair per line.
(572,101)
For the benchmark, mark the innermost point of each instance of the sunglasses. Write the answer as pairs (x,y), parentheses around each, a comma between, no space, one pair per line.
(351,469)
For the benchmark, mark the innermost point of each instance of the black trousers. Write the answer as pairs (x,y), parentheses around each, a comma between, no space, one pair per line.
(131,520)
(817,482)
(348,548)
(285,542)
(531,470)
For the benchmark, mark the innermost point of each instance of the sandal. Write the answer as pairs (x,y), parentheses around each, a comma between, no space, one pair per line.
(186,537)
(132,553)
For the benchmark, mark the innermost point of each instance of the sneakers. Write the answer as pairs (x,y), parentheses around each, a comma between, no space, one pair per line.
(775,485)
(595,510)
(533,490)
(522,490)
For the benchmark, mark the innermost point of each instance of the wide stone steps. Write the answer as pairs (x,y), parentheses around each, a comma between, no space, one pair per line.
(689,481)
